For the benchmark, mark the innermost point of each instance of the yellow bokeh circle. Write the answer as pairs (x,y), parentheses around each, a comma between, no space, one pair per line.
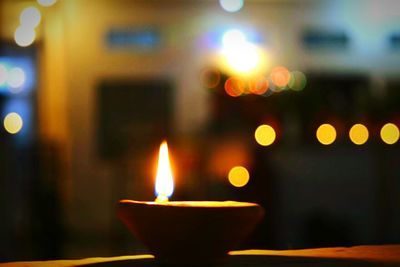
(13,123)
(238,176)
(390,133)
(326,134)
(265,135)
(359,134)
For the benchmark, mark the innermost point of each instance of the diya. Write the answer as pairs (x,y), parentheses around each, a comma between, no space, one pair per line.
(187,232)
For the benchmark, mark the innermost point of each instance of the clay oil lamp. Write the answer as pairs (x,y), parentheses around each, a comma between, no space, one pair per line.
(187,233)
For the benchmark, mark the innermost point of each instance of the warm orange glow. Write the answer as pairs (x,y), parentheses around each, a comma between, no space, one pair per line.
(326,134)
(238,176)
(358,134)
(258,86)
(234,86)
(280,76)
(227,153)
(164,179)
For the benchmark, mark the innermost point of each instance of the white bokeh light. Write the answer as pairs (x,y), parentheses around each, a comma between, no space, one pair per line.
(46,3)
(241,55)
(24,36)
(30,17)
(233,38)
(243,59)
(231,5)
(16,77)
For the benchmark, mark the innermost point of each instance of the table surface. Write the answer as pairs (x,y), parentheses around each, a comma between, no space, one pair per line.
(382,255)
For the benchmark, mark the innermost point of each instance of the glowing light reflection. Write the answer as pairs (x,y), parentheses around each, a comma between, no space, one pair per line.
(258,86)
(233,38)
(326,134)
(13,123)
(24,36)
(265,135)
(390,133)
(240,55)
(242,59)
(297,81)
(30,17)
(16,77)
(231,5)
(280,76)
(234,86)
(358,134)
(46,3)
(238,176)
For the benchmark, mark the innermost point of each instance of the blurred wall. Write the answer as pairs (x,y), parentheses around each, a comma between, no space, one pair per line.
(75,58)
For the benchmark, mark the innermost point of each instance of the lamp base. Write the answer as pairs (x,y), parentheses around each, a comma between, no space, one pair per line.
(190,233)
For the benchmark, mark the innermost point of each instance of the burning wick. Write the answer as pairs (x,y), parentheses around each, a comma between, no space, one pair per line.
(164,179)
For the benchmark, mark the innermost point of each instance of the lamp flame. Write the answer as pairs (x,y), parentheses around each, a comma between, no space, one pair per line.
(164,179)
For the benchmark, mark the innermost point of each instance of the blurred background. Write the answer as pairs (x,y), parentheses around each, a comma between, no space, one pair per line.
(293,104)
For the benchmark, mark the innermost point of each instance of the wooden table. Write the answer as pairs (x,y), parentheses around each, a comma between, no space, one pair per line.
(384,255)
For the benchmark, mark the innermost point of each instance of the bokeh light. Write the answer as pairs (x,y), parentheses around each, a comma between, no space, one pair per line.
(16,77)
(46,3)
(265,135)
(390,133)
(30,17)
(240,55)
(210,78)
(297,81)
(13,123)
(238,176)
(358,134)
(232,38)
(231,5)
(273,88)
(3,74)
(280,76)
(326,134)
(259,85)
(24,36)
(234,86)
